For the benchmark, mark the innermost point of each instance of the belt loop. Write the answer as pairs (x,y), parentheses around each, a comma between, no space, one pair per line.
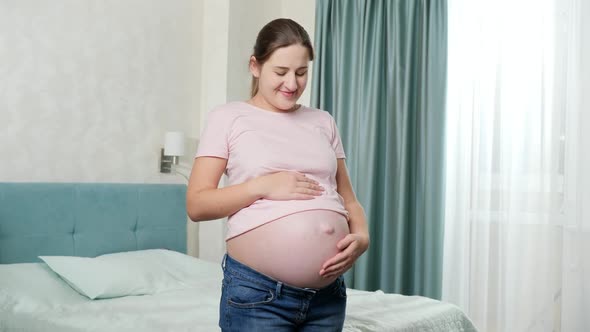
(223,261)
(278,289)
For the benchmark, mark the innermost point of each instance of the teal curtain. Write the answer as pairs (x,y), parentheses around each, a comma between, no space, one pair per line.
(380,71)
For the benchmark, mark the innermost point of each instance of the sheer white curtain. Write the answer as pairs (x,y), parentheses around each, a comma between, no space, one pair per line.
(517,227)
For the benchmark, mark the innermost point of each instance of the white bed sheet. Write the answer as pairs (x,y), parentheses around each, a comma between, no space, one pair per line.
(33,298)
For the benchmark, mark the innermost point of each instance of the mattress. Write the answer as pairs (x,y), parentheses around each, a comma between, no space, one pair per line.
(34,298)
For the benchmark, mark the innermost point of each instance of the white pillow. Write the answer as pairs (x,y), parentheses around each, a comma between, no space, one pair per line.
(126,273)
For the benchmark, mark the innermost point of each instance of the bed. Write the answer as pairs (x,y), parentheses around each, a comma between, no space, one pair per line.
(111,257)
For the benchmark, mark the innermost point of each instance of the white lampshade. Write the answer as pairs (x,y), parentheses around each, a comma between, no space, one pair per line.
(174,143)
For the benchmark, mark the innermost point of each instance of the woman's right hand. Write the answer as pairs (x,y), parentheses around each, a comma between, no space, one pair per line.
(286,185)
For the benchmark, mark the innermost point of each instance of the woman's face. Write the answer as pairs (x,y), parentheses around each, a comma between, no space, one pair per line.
(282,78)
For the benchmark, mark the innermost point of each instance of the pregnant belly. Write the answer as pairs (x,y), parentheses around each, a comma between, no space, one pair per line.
(292,249)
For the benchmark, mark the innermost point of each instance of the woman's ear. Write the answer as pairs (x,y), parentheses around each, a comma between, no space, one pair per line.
(254,67)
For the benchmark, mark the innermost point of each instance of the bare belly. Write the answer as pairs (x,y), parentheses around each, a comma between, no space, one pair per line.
(292,249)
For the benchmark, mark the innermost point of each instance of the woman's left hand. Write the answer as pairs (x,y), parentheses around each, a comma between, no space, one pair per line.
(351,247)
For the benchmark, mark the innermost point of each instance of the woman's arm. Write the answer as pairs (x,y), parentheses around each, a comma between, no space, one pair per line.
(205,201)
(357,242)
(358,220)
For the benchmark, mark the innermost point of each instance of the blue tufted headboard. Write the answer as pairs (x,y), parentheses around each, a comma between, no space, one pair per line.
(89,219)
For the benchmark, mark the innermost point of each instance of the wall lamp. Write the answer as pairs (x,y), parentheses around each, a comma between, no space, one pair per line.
(172,151)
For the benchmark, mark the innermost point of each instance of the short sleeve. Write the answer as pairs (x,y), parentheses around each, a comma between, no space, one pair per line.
(336,141)
(215,136)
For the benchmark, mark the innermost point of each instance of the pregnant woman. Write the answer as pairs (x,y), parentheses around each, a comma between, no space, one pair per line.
(295,225)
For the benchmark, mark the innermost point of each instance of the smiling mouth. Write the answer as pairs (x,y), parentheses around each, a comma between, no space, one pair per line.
(287,94)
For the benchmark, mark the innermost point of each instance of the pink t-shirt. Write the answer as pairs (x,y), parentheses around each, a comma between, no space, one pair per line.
(257,142)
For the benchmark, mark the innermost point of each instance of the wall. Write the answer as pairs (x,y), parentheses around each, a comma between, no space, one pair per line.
(88,88)
(585,38)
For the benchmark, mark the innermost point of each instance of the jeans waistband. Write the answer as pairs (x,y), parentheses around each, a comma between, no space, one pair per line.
(236,268)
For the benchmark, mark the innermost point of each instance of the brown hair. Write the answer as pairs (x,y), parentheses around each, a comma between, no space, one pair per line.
(278,33)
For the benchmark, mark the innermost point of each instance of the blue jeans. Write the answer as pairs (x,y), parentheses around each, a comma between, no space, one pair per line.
(251,301)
